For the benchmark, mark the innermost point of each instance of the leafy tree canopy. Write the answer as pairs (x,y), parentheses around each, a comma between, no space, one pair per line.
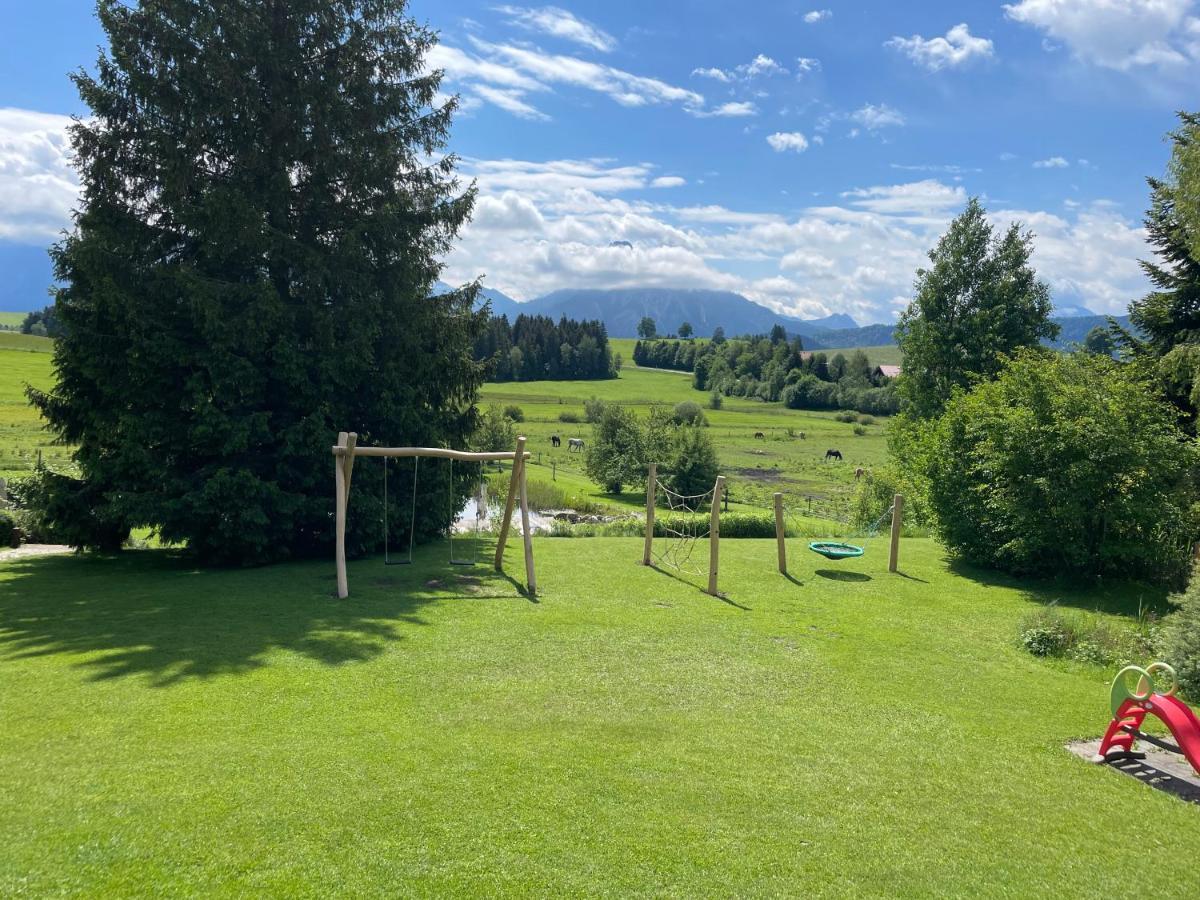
(979,300)
(646,328)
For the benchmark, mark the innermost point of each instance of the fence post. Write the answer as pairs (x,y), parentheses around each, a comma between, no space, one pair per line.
(897,519)
(714,536)
(651,494)
(779,534)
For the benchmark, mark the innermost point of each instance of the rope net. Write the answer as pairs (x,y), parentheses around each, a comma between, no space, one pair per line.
(683,528)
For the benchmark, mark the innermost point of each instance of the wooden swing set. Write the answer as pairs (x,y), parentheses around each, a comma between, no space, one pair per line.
(346,450)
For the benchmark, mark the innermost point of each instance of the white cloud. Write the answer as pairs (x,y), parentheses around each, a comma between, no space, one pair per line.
(668,181)
(873,117)
(857,255)
(1117,34)
(782,141)
(818,15)
(508,100)
(958,47)
(948,169)
(38,188)
(1053,162)
(761,66)
(733,109)
(503,75)
(806,64)
(560,23)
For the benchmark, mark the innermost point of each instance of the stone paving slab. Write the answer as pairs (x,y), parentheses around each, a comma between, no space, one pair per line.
(1161,769)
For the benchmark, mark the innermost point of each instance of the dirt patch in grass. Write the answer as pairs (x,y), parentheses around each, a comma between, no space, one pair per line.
(760,474)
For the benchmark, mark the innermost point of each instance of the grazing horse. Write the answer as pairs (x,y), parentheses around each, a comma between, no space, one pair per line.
(574,444)
(801,435)
(759,436)
(859,473)
(555,440)
(833,454)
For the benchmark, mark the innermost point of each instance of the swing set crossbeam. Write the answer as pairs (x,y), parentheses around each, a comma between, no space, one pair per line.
(346,450)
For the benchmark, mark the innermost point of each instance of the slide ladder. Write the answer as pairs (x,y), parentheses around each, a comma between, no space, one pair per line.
(1131,705)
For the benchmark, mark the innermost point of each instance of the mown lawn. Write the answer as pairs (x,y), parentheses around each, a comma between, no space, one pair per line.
(24,359)
(170,731)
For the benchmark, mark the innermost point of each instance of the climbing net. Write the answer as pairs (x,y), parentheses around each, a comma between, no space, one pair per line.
(683,525)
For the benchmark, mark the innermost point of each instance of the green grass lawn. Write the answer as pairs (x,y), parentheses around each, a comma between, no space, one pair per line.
(170,731)
(24,359)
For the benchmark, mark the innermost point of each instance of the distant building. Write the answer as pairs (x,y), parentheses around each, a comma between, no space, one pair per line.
(886,372)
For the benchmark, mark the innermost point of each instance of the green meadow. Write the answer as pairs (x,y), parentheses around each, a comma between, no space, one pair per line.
(24,359)
(172,731)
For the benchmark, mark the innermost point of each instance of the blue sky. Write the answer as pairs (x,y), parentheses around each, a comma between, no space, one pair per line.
(804,154)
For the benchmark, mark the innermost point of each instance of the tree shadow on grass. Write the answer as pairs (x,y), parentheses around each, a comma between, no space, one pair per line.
(1117,597)
(154,613)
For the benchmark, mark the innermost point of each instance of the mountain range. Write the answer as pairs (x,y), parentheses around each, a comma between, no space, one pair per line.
(622,309)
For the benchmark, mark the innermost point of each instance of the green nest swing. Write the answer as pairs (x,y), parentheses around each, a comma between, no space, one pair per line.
(835,550)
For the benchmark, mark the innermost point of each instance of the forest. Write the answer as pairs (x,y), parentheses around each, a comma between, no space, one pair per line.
(535,348)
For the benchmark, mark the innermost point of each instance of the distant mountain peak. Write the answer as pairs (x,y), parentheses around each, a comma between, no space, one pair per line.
(836,321)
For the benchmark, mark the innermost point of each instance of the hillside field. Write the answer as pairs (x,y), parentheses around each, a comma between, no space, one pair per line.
(12,319)
(24,359)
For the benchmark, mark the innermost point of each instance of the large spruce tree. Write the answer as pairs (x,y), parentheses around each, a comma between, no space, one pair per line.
(979,300)
(264,203)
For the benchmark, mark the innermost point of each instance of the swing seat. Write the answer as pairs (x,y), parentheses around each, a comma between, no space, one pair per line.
(834,550)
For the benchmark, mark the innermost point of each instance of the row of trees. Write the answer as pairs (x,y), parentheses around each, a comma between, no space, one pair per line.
(775,369)
(536,348)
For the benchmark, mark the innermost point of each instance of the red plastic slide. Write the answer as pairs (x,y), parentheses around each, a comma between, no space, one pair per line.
(1132,707)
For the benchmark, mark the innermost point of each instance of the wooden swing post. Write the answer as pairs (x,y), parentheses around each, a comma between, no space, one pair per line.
(518,467)
(897,521)
(530,578)
(651,494)
(714,535)
(343,466)
(780,536)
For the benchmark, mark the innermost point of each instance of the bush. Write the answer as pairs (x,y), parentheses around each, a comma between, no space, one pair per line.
(615,454)
(571,418)
(495,432)
(514,412)
(859,430)
(692,466)
(593,409)
(866,420)
(57,509)
(846,417)
(875,495)
(1065,464)
(1052,632)
(10,535)
(1181,636)
(689,413)
(715,400)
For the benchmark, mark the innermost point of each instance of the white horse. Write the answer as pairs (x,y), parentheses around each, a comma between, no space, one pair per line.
(574,444)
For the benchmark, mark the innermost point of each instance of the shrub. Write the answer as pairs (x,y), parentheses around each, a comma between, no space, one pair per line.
(593,409)
(1052,632)
(692,465)
(10,535)
(866,420)
(715,400)
(875,495)
(859,430)
(572,418)
(1065,464)
(495,431)
(514,412)
(689,413)
(615,454)
(1181,636)
(58,509)
(846,417)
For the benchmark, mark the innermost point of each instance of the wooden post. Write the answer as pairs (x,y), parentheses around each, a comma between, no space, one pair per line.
(651,495)
(780,536)
(530,578)
(897,519)
(339,500)
(514,481)
(714,535)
